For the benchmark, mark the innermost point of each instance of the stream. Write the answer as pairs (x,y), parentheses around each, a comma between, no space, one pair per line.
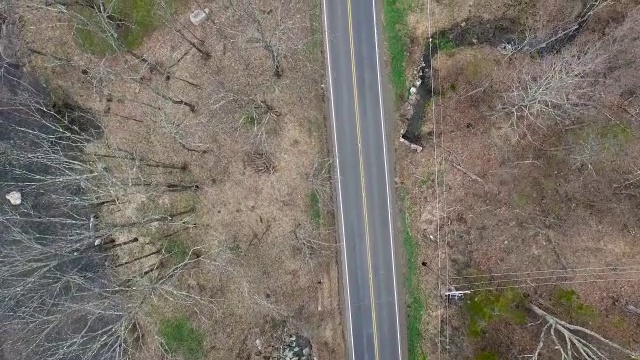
(502,34)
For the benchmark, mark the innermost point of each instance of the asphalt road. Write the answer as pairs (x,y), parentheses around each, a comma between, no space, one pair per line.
(373,305)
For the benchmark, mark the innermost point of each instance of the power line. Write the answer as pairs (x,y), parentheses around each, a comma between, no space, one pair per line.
(552,283)
(444,198)
(547,277)
(545,271)
(435,159)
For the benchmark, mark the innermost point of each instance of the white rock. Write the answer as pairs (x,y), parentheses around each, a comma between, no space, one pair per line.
(98,242)
(413,90)
(14,197)
(199,16)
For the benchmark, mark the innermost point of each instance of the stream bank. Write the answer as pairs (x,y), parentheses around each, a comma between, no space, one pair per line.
(505,34)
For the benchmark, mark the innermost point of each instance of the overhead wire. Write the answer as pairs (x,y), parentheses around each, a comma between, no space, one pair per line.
(435,159)
(444,196)
(545,271)
(550,283)
(607,273)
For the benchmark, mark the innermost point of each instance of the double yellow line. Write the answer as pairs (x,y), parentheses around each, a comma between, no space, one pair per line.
(362,181)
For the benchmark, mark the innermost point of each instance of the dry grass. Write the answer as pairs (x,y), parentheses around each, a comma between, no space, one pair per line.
(252,181)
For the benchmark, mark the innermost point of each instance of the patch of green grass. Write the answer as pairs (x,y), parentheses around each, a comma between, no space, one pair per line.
(615,137)
(431,178)
(314,208)
(568,302)
(427,179)
(395,27)
(180,337)
(618,323)
(443,43)
(486,355)
(177,249)
(415,303)
(608,139)
(250,119)
(89,35)
(486,306)
(521,200)
(135,20)
(453,87)
(315,16)
(235,249)
(142,15)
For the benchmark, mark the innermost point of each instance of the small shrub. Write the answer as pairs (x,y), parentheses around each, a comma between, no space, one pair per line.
(180,337)
(257,114)
(444,44)
(314,208)
(568,302)
(487,306)
(235,249)
(250,119)
(426,180)
(178,250)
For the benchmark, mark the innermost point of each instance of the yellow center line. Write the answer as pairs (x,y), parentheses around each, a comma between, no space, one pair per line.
(362,182)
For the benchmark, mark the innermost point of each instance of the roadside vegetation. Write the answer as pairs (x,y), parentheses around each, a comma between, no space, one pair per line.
(415,302)
(180,337)
(396,30)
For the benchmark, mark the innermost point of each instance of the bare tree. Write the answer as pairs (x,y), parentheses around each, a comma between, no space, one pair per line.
(555,89)
(275,27)
(62,294)
(574,342)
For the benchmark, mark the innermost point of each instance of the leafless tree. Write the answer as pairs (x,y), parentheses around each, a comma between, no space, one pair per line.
(574,342)
(275,27)
(555,89)
(62,295)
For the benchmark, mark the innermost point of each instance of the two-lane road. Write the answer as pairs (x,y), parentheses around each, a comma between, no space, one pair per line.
(373,306)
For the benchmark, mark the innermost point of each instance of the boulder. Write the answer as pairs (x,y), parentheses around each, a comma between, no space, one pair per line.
(14,197)
(199,16)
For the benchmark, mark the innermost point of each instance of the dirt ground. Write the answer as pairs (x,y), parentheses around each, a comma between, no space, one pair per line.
(250,152)
(494,208)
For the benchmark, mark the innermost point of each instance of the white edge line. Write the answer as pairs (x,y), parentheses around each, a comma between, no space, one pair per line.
(335,142)
(386,175)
